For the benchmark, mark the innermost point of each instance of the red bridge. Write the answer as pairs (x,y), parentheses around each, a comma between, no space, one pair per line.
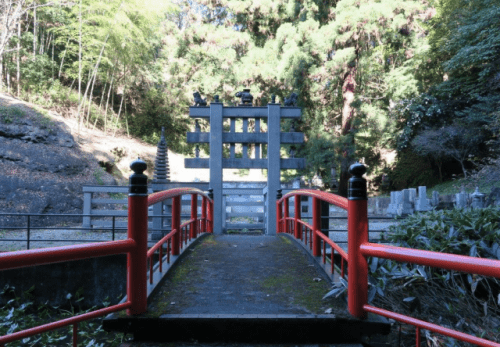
(143,275)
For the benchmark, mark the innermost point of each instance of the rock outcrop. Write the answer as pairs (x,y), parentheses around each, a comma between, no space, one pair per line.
(42,167)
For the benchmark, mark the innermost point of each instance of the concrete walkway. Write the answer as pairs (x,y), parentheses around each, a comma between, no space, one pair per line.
(236,274)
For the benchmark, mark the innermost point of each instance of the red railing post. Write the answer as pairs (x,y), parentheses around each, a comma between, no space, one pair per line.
(210,224)
(176,224)
(138,231)
(285,216)
(279,212)
(203,214)
(316,212)
(357,219)
(296,217)
(194,215)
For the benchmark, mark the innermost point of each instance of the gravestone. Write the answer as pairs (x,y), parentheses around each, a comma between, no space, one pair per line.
(404,207)
(392,208)
(413,195)
(461,199)
(422,203)
(435,199)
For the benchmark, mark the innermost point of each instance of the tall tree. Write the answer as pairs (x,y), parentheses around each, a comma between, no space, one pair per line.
(465,44)
(342,57)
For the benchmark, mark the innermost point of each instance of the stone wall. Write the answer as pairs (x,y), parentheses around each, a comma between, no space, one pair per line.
(99,279)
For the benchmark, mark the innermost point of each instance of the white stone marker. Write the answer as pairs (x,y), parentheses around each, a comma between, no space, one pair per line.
(422,204)
(405,207)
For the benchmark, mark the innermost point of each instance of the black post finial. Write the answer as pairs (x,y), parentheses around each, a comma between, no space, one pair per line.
(211,193)
(216,98)
(278,194)
(357,184)
(138,182)
(273,99)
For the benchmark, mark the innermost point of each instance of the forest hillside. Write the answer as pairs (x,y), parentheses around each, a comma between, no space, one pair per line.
(411,88)
(46,161)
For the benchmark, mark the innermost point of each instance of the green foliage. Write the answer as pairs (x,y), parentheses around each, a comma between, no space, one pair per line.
(37,73)
(158,110)
(473,232)
(98,173)
(412,170)
(9,114)
(155,54)
(465,43)
(425,292)
(21,314)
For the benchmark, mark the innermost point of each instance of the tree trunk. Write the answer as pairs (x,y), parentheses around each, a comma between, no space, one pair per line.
(440,167)
(53,43)
(42,43)
(348,113)
(94,75)
(463,168)
(107,102)
(1,73)
(18,63)
(79,69)
(100,103)
(62,60)
(119,112)
(90,100)
(34,33)
(7,73)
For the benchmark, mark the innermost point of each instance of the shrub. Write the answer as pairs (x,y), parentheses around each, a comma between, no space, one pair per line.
(462,301)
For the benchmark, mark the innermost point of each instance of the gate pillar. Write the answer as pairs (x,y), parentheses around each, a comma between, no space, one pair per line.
(273,164)
(216,163)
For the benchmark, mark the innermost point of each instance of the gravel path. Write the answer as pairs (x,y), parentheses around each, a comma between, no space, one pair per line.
(47,238)
(43,238)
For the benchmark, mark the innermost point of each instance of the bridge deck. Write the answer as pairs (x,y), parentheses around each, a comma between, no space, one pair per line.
(236,274)
(245,288)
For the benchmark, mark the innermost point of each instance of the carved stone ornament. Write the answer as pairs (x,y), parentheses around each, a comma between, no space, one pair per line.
(246,97)
(291,100)
(198,101)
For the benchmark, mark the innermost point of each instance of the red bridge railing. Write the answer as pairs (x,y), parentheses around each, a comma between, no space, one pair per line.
(135,246)
(180,234)
(359,248)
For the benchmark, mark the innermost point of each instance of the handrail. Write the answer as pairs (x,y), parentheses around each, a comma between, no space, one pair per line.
(332,244)
(135,246)
(43,256)
(333,199)
(172,193)
(63,322)
(455,262)
(432,327)
(359,248)
(161,242)
(295,225)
